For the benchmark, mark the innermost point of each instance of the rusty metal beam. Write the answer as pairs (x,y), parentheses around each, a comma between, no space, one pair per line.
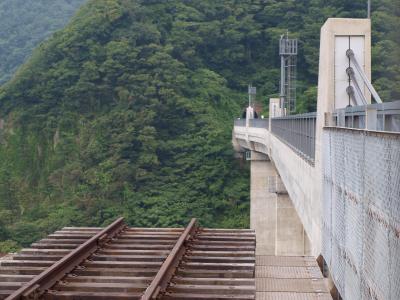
(50,276)
(162,279)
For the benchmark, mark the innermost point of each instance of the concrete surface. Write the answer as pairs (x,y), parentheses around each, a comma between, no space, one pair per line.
(263,207)
(278,228)
(290,236)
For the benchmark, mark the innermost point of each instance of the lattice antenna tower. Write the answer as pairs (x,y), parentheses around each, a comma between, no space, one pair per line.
(252,95)
(288,54)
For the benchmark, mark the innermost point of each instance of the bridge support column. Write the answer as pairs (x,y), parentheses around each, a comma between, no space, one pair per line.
(278,228)
(291,238)
(262,204)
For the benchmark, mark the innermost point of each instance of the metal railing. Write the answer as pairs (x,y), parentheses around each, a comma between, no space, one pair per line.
(240,122)
(387,116)
(259,123)
(298,132)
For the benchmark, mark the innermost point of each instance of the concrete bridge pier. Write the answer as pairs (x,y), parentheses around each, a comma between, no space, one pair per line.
(278,228)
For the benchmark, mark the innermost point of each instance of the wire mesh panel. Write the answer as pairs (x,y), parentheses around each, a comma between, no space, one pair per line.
(361,212)
(327,203)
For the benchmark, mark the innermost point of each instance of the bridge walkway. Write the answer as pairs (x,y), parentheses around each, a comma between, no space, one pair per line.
(289,278)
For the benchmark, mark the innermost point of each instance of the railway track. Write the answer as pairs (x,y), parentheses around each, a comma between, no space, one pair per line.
(119,262)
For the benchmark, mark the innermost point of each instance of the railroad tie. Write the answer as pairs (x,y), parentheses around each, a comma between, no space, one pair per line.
(118,262)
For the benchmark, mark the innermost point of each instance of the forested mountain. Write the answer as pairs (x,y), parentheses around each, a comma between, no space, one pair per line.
(128,110)
(26,23)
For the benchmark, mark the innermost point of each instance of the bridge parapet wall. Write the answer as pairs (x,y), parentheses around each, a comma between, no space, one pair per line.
(361,209)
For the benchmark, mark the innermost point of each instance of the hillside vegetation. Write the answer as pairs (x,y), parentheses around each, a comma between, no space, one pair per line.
(128,110)
(26,23)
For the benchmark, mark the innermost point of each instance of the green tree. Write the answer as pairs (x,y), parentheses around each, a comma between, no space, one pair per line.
(128,110)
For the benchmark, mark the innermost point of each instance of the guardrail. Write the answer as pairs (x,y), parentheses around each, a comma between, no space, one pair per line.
(298,132)
(382,117)
(240,122)
(259,123)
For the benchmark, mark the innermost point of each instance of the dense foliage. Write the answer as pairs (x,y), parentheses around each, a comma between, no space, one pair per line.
(128,110)
(24,24)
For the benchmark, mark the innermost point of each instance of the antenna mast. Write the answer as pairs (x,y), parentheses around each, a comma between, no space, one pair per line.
(288,53)
(252,95)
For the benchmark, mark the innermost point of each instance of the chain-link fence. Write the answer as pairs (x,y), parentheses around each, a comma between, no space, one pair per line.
(361,212)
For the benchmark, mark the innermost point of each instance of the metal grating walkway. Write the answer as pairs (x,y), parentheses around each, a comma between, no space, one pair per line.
(289,278)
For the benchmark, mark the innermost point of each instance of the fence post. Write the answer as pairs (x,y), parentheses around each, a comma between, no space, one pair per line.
(341,118)
(329,119)
(371,118)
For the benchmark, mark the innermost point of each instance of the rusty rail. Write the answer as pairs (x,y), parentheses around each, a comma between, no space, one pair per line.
(45,280)
(168,268)
(133,263)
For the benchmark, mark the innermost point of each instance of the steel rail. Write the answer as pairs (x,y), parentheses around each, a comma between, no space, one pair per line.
(45,280)
(171,263)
